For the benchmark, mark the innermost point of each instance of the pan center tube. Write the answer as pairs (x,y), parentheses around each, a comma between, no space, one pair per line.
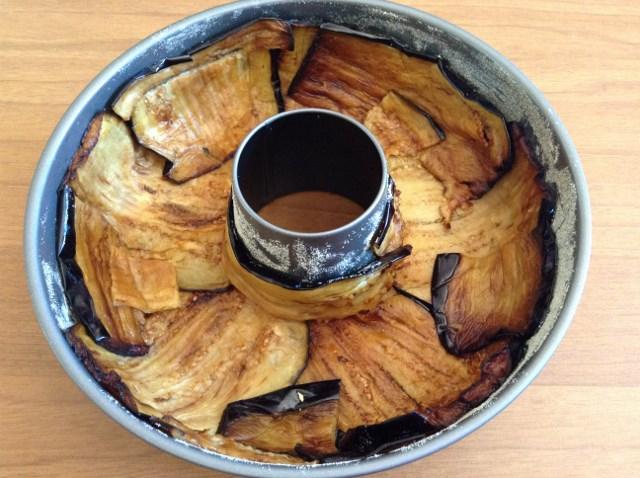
(301,151)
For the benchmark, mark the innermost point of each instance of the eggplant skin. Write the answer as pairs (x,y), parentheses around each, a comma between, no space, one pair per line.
(402,368)
(478,298)
(299,420)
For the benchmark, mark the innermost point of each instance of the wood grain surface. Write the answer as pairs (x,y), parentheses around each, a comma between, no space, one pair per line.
(581,417)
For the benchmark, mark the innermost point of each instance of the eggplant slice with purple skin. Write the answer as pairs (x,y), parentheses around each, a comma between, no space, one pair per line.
(404,429)
(182,225)
(196,114)
(402,368)
(300,420)
(216,349)
(477,297)
(352,74)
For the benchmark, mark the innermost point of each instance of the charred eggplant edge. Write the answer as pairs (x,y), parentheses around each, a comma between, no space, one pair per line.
(447,263)
(76,293)
(400,431)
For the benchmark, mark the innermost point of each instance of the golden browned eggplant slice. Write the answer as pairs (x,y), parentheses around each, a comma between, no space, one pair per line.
(259,35)
(509,212)
(218,349)
(402,129)
(352,74)
(404,429)
(300,420)
(228,446)
(96,243)
(197,118)
(334,299)
(390,362)
(289,61)
(181,225)
(476,298)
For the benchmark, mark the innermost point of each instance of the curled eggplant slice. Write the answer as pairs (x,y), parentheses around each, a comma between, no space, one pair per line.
(164,225)
(289,61)
(353,75)
(267,34)
(197,118)
(401,127)
(217,349)
(404,429)
(390,362)
(300,420)
(509,212)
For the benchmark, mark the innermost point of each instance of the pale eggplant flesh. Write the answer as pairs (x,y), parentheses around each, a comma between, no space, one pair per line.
(216,349)
(299,420)
(402,368)
(78,295)
(353,74)
(265,34)
(182,225)
(189,119)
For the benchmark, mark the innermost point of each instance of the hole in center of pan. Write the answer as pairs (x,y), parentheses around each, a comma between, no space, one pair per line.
(310,171)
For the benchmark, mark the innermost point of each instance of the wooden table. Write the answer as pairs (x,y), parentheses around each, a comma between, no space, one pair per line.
(581,417)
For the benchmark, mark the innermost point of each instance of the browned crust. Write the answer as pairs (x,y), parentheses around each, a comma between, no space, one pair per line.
(109,380)
(89,140)
(495,370)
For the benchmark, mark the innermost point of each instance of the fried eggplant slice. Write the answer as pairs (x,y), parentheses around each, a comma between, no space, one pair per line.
(402,368)
(218,349)
(84,239)
(265,34)
(352,75)
(227,446)
(197,118)
(402,129)
(402,430)
(509,212)
(277,294)
(181,225)
(299,420)
(101,258)
(480,298)
(289,61)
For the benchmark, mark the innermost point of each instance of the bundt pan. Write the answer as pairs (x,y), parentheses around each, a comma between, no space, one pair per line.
(487,74)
